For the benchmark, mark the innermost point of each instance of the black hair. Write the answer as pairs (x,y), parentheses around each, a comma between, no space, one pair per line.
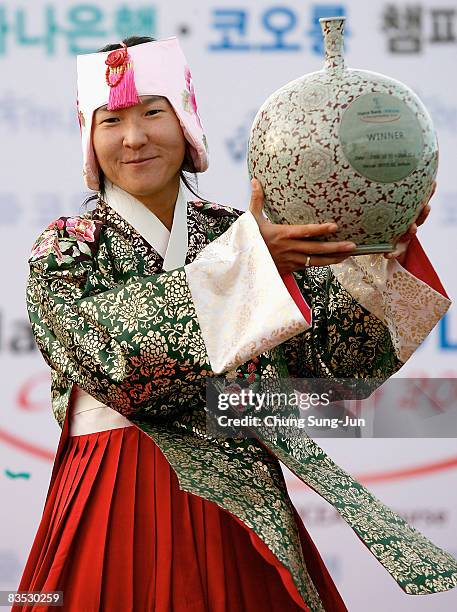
(188,163)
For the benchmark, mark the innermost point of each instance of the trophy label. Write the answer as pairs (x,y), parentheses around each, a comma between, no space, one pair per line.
(381,137)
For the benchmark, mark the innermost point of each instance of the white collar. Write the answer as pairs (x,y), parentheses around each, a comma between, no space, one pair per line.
(171,246)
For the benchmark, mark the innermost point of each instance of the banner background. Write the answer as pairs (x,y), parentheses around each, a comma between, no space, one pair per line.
(239,53)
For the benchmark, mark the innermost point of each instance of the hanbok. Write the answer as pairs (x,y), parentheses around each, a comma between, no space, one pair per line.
(145,509)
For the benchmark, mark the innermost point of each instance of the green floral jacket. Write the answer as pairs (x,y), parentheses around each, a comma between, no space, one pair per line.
(107,317)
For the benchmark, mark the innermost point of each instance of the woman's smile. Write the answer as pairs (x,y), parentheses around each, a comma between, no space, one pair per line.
(141,149)
(140,162)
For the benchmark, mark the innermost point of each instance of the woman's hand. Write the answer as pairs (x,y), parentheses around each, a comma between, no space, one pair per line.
(403,242)
(292,246)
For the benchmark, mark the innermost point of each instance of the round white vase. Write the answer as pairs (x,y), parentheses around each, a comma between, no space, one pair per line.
(343,145)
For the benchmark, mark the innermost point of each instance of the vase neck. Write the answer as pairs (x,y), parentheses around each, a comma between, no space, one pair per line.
(333,31)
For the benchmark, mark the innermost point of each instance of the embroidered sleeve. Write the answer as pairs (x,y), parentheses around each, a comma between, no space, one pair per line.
(408,303)
(131,345)
(369,316)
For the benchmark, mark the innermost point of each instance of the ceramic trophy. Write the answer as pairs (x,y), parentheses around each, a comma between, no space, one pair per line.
(350,146)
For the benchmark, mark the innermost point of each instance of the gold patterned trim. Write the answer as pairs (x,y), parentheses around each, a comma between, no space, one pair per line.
(242,304)
(406,305)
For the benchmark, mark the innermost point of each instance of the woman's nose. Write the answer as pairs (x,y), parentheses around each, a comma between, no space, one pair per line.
(135,136)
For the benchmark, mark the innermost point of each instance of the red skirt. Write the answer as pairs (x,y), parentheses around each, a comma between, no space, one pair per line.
(117,534)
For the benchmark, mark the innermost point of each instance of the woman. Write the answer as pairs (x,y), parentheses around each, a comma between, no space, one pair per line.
(133,305)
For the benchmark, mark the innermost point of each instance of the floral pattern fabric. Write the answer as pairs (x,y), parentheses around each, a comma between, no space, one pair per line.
(107,318)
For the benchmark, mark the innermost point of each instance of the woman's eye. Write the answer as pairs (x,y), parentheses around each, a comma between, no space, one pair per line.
(116,119)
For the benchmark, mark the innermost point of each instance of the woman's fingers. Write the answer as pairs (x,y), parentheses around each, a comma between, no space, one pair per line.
(424,213)
(409,234)
(310,230)
(256,203)
(311,254)
(315,247)
(400,249)
(425,210)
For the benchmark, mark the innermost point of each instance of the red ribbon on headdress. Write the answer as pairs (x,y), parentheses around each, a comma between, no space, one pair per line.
(120,79)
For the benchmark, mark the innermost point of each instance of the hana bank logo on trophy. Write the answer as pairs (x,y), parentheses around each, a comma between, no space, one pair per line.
(349,146)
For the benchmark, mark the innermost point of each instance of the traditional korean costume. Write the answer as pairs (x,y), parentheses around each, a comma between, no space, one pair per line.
(146,509)
(141,341)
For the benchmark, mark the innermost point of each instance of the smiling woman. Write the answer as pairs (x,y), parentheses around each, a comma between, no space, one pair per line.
(123,533)
(134,305)
(187,165)
(141,149)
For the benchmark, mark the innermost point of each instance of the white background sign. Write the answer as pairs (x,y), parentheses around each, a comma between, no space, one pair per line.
(239,53)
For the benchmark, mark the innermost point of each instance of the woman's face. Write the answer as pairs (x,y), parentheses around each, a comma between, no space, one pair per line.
(141,148)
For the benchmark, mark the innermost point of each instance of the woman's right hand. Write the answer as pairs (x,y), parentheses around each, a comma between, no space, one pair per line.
(292,246)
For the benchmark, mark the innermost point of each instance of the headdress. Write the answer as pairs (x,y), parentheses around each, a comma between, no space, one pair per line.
(117,79)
